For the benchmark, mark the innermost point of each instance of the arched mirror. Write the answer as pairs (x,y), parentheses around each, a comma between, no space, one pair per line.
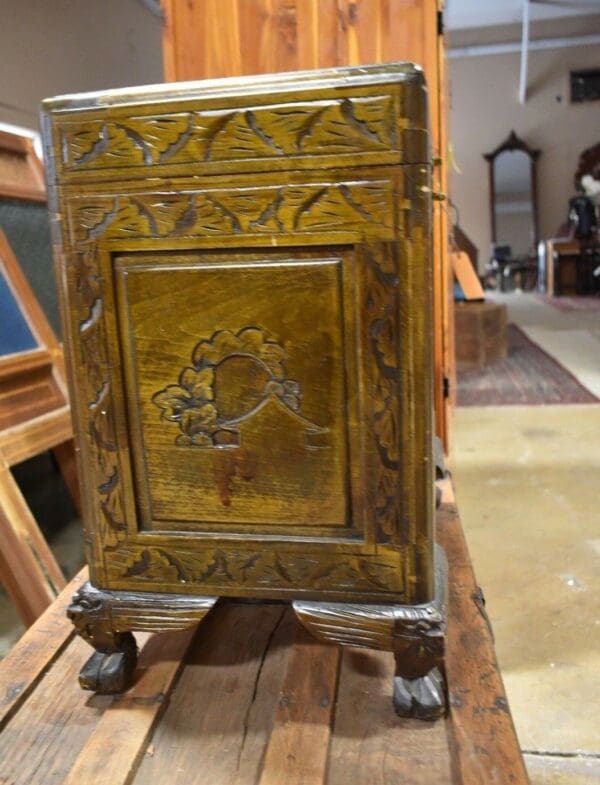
(513,203)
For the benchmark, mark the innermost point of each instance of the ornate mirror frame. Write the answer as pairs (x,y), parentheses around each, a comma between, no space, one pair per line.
(513,142)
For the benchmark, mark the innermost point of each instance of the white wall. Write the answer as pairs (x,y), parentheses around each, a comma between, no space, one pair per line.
(485,108)
(50,47)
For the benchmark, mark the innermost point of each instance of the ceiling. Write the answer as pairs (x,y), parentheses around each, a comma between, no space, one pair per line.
(462,14)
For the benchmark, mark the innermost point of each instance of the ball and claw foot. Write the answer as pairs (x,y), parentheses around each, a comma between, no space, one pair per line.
(110,669)
(110,672)
(103,618)
(423,698)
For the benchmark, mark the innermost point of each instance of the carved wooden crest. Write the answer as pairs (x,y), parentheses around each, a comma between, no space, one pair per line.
(232,377)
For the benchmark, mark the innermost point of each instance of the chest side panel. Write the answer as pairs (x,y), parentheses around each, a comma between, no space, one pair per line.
(247,356)
(237,389)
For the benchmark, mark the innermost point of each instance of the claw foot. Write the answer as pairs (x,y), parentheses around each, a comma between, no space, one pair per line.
(423,698)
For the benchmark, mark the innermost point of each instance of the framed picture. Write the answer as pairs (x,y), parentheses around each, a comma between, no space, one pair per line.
(21,171)
(24,219)
(31,377)
(34,417)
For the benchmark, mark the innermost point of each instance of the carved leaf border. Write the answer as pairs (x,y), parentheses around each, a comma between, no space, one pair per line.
(352,124)
(381,308)
(218,568)
(98,215)
(363,206)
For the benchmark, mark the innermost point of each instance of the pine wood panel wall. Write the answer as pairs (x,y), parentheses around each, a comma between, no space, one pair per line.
(212,38)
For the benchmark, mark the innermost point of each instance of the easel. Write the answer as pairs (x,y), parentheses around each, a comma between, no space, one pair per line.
(34,408)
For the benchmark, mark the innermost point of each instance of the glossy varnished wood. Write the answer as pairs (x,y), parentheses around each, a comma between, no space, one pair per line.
(377,219)
(246,281)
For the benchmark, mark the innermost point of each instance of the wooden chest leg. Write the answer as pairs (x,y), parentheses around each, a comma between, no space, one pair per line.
(105,620)
(423,698)
(414,633)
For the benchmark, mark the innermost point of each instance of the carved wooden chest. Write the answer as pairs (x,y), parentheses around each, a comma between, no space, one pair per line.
(246,284)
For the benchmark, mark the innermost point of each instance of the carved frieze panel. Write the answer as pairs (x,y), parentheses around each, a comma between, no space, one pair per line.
(225,567)
(364,206)
(356,124)
(381,312)
(96,387)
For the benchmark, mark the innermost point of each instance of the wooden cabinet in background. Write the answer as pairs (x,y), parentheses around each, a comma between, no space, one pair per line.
(214,38)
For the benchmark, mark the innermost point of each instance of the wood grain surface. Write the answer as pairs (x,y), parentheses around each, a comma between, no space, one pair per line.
(250,698)
(250,333)
(479,711)
(204,39)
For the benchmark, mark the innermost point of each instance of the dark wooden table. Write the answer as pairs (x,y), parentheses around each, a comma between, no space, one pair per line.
(250,698)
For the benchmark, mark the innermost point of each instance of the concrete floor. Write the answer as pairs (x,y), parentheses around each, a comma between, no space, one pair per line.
(527,482)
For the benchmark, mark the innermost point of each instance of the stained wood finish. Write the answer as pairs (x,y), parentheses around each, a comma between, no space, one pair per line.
(281,691)
(105,620)
(250,334)
(303,718)
(30,573)
(209,38)
(21,171)
(117,746)
(34,411)
(34,417)
(482,333)
(339,266)
(30,385)
(46,432)
(416,635)
(25,665)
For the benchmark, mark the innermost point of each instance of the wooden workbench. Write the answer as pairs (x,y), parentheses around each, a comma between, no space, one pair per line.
(250,698)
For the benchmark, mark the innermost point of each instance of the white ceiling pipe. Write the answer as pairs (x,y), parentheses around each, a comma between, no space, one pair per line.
(478,50)
(524,54)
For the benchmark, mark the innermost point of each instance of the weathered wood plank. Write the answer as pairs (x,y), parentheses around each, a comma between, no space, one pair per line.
(34,653)
(220,713)
(299,742)
(113,751)
(480,722)
(370,745)
(253,702)
(29,571)
(30,438)
(67,461)
(43,739)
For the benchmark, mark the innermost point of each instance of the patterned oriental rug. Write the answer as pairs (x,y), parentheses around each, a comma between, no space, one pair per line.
(528,376)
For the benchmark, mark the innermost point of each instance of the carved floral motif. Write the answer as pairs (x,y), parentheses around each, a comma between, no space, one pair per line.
(194,405)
